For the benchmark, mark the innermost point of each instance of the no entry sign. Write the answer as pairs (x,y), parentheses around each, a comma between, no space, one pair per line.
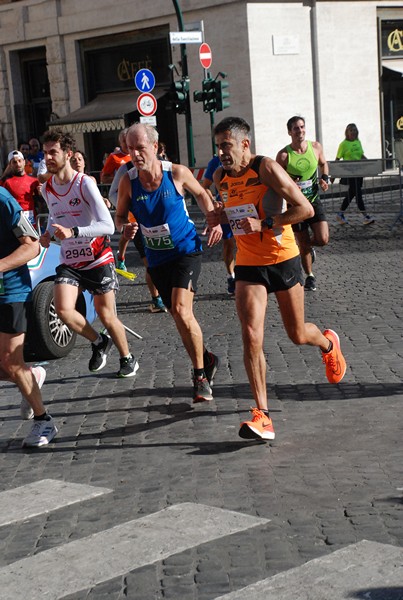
(205,55)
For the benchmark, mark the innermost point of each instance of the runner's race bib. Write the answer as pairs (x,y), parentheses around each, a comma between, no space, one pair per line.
(305,187)
(158,237)
(77,250)
(236,213)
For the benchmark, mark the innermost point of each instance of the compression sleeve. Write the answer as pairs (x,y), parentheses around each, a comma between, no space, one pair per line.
(113,191)
(102,222)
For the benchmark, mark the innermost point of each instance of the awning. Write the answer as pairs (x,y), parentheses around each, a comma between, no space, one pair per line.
(395,64)
(106,112)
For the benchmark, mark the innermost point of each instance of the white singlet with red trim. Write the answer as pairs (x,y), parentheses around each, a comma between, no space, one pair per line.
(80,204)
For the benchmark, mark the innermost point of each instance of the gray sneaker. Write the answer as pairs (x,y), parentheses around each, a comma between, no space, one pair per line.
(201,390)
(100,353)
(42,432)
(128,367)
(26,411)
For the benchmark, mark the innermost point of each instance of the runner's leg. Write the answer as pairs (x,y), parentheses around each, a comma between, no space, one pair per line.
(251,302)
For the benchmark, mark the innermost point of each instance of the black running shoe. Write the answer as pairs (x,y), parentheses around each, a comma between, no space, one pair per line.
(230,286)
(210,369)
(100,353)
(310,284)
(128,366)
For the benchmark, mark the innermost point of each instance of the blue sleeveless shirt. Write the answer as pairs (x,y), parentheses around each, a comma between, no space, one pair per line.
(167,229)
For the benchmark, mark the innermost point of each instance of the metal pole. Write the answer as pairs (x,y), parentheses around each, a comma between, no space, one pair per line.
(316,79)
(211,130)
(185,75)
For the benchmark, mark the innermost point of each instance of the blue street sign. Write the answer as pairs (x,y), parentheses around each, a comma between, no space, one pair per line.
(144,80)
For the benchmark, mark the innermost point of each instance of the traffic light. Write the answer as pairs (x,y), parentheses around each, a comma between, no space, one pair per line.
(221,94)
(178,95)
(209,95)
(213,96)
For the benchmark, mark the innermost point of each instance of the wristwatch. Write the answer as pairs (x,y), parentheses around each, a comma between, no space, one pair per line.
(325,177)
(269,222)
(74,231)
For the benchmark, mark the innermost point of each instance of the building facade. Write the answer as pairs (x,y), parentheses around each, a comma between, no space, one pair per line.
(72,64)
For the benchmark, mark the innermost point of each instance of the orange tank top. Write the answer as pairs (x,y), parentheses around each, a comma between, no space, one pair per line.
(246,195)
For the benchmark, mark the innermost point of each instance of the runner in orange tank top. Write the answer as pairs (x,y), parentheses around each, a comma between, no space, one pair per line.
(261,202)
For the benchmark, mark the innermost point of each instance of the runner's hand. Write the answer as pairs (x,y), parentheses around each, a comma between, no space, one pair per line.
(62,233)
(215,235)
(251,225)
(44,239)
(129,230)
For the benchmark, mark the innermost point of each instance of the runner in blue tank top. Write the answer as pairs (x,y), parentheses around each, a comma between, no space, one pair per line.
(154,192)
(18,245)
(167,229)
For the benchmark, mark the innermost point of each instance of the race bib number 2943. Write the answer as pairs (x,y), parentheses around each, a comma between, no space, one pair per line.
(77,250)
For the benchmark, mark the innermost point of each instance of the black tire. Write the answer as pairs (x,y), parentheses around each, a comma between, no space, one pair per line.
(48,337)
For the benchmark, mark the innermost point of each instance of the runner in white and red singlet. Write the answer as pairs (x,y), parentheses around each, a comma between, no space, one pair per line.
(79,218)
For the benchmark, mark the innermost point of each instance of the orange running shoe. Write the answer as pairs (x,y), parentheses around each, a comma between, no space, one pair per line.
(334,360)
(261,426)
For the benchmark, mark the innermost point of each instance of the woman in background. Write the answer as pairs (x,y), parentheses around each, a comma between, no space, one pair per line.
(351,149)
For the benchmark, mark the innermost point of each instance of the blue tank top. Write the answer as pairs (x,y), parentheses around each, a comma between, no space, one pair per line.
(167,229)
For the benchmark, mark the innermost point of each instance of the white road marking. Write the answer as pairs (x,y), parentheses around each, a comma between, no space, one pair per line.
(362,570)
(81,564)
(41,497)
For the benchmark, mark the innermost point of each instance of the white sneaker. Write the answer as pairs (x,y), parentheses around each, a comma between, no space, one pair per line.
(41,434)
(368,220)
(25,407)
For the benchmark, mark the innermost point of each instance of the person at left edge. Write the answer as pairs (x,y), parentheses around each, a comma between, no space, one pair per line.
(79,218)
(18,245)
(153,191)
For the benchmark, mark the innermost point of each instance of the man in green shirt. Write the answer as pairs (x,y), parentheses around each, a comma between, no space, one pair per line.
(301,159)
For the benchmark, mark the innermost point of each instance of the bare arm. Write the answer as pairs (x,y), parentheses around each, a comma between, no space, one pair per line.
(282,158)
(324,167)
(28,249)
(272,175)
(122,208)
(276,179)
(184,180)
(206,183)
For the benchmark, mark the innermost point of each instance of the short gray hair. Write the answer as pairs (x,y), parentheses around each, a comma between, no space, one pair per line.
(151,132)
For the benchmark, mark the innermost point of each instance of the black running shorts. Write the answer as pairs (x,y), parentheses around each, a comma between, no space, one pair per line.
(183,272)
(317,217)
(275,278)
(98,281)
(14,317)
